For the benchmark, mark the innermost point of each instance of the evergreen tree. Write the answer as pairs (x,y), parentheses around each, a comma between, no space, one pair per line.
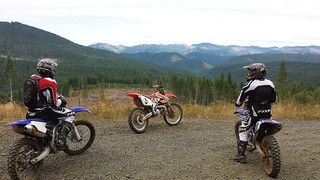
(281,81)
(8,76)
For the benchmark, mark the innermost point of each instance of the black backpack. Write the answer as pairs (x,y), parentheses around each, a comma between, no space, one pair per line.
(30,91)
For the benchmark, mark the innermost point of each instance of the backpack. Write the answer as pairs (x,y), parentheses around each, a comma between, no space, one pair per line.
(30,91)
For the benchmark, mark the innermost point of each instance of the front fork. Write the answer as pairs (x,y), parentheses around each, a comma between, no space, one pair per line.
(76,132)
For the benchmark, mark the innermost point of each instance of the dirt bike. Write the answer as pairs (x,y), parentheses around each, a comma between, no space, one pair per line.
(261,138)
(154,105)
(42,137)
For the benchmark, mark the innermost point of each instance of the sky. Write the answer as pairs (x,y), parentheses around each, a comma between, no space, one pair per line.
(263,23)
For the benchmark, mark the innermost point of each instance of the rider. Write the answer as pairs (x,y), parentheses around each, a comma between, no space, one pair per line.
(260,93)
(49,103)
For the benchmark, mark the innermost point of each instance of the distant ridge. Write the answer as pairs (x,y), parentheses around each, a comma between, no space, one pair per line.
(221,50)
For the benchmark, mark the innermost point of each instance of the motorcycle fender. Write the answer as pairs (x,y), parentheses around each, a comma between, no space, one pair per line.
(238,111)
(80,109)
(134,95)
(171,96)
(266,127)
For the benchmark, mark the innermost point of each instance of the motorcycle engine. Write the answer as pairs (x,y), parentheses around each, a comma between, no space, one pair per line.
(61,137)
(158,113)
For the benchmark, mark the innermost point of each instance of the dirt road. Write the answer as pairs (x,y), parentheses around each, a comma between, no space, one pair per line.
(195,149)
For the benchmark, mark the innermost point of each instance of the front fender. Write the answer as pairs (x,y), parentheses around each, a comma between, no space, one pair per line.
(78,109)
(238,111)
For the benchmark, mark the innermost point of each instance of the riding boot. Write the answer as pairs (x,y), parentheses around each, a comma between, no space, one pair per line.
(241,156)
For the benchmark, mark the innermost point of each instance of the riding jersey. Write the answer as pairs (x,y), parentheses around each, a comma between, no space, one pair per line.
(260,93)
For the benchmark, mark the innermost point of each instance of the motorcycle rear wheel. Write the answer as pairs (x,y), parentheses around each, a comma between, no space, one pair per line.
(135,120)
(87,133)
(20,154)
(271,159)
(174,115)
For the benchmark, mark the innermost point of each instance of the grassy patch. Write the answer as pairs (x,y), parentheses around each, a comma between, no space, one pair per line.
(105,110)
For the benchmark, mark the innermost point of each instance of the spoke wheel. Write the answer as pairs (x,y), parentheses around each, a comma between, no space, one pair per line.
(20,154)
(75,146)
(135,120)
(174,114)
(271,158)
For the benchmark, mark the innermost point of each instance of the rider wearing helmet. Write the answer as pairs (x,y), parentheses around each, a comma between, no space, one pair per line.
(260,94)
(49,102)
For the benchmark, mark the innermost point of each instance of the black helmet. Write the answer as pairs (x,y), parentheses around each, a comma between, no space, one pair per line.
(256,70)
(46,67)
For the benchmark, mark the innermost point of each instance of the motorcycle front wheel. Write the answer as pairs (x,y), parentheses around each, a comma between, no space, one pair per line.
(135,120)
(20,154)
(271,159)
(173,115)
(75,146)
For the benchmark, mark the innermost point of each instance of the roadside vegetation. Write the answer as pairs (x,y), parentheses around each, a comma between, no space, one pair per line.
(116,111)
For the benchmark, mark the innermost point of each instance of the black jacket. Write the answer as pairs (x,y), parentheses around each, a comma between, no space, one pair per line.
(260,93)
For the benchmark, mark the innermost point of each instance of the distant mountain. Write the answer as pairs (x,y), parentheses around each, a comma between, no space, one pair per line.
(26,44)
(173,60)
(207,48)
(201,57)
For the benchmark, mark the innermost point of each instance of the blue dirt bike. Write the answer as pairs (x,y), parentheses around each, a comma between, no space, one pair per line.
(43,137)
(261,138)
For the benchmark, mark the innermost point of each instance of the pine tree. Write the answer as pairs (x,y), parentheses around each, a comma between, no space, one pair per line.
(281,81)
(8,76)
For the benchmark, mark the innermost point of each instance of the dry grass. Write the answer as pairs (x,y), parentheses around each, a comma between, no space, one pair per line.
(116,106)
(11,111)
(103,110)
(296,111)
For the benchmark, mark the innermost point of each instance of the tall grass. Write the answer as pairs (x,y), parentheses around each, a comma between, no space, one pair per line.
(104,110)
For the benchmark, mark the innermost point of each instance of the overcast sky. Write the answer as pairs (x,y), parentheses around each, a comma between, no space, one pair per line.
(131,22)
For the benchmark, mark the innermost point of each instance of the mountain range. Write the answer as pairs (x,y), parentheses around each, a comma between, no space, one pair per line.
(125,64)
(207,48)
(210,60)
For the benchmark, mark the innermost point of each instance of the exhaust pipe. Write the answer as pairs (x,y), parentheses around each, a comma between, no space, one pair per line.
(30,129)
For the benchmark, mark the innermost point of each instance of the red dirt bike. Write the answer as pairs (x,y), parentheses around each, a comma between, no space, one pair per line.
(154,105)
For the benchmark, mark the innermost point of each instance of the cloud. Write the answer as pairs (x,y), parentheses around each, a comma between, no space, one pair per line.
(130,22)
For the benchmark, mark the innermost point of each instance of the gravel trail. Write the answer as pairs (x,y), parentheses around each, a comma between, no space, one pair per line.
(195,149)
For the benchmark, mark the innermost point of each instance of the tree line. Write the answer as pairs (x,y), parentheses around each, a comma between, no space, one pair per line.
(190,89)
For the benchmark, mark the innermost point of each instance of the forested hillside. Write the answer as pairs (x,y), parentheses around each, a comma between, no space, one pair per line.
(301,68)
(25,45)
(21,46)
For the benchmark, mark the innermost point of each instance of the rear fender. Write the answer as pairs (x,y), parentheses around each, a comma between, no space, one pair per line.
(134,95)
(24,122)
(34,126)
(267,127)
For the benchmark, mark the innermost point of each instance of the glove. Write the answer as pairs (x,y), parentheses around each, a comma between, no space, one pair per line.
(63,100)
